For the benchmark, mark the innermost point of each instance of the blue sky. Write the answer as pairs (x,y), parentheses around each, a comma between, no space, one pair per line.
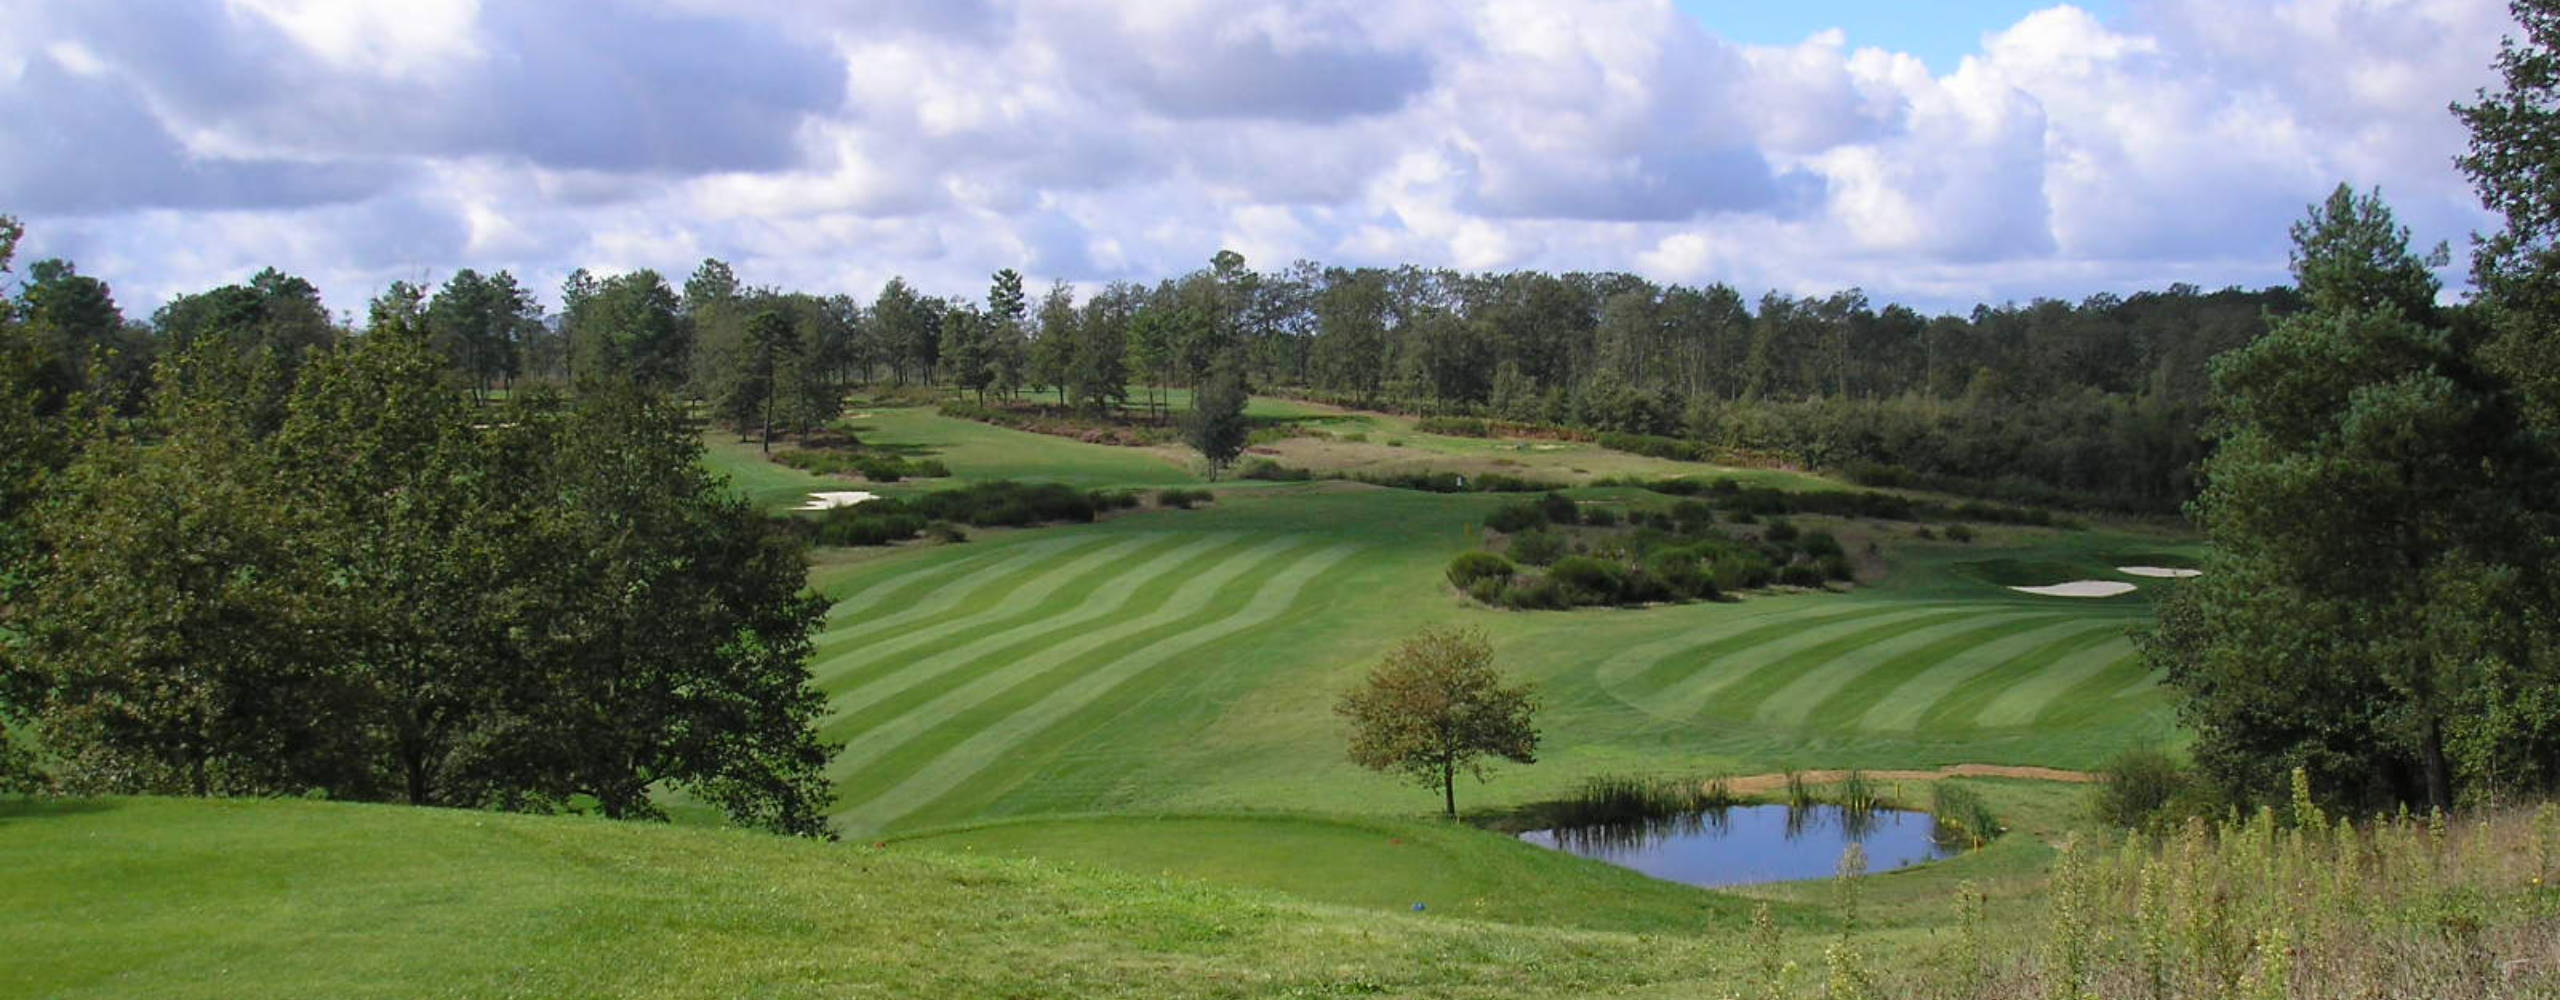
(168,146)
(1941,33)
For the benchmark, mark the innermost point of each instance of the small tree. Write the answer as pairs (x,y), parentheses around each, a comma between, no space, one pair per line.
(1436,707)
(1216,426)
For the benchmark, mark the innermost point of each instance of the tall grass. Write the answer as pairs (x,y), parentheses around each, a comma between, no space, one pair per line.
(1635,800)
(1962,817)
(2308,908)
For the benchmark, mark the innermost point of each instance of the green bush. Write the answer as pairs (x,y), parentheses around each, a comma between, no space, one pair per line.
(1600,517)
(1586,580)
(1455,426)
(1514,518)
(1560,509)
(1113,499)
(1960,533)
(1801,575)
(1471,568)
(1739,570)
(1183,499)
(1537,548)
(1266,470)
(1781,531)
(2134,787)
(1533,594)
(1680,572)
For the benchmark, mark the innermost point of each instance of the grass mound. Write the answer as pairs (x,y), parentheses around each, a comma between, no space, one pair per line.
(183,899)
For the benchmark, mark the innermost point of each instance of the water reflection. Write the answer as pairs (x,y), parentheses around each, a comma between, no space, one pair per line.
(1747,844)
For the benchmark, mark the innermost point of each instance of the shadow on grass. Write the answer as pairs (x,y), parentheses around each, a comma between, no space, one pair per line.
(18,808)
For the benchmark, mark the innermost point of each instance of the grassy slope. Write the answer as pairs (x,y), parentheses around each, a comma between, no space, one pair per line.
(176,899)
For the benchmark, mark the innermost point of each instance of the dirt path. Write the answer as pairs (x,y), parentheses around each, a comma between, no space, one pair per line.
(1759,783)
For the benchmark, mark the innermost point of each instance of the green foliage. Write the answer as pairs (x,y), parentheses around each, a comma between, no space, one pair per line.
(2377,510)
(1436,707)
(1183,499)
(1216,427)
(387,598)
(1472,568)
(2137,789)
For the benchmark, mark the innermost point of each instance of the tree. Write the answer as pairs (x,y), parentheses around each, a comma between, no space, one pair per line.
(395,597)
(1008,352)
(1216,426)
(1436,707)
(2514,163)
(2380,519)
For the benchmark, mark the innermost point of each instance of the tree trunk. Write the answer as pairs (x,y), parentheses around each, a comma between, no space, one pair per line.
(1449,787)
(2439,778)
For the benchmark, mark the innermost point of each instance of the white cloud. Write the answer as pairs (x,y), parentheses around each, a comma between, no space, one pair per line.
(170,146)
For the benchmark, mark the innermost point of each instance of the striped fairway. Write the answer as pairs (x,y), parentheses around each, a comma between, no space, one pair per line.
(1191,660)
(981,656)
(1840,664)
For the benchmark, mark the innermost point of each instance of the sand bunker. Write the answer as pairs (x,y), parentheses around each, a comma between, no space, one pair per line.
(2080,588)
(831,501)
(2161,572)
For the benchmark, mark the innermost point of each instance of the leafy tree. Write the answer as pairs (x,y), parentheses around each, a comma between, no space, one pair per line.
(1053,354)
(1216,426)
(392,597)
(967,349)
(2514,163)
(479,324)
(2373,501)
(1009,358)
(1436,707)
(628,326)
(1097,374)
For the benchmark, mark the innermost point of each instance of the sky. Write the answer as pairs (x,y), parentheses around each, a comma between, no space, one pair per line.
(1936,154)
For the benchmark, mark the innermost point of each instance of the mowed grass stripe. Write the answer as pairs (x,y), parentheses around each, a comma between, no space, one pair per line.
(2027,699)
(880,691)
(1958,708)
(989,743)
(923,593)
(1880,666)
(1647,667)
(2092,696)
(999,604)
(1900,709)
(871,740)
(1749,694)
(1763,651)
(1680,662)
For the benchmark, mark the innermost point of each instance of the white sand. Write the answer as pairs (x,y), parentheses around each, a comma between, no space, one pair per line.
(2080,588)
(2161,572)
(830,501)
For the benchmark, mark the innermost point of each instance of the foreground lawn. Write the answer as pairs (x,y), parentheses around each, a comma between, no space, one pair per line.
(178,899)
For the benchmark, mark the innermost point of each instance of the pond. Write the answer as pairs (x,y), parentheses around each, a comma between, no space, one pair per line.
(1742,845)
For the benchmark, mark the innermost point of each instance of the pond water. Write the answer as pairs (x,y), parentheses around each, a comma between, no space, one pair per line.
(1747,844)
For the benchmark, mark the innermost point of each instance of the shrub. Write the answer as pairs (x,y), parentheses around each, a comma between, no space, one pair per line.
(1801,575)
(1739,570)
(1470,568)
(1514,518)
(1357,437)
(1781,531)
(1183,499)
(1836,567)
(1680,572)
(1960,533)
(1560,509)
(945,531)
(1395,442)
(1537,548)
(1455,426)
(1600,517)
(1005,503)
(1586,580)
(2136,784)
(1266,470)
(1533,594)
(1818,544)
(1113,499)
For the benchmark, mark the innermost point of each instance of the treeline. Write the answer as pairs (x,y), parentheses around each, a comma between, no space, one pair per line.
(2099,402)
(280,561)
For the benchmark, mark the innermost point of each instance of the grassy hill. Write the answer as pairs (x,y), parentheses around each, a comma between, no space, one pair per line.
(177,899)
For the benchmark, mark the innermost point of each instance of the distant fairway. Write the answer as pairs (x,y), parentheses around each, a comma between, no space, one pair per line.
(1189,660)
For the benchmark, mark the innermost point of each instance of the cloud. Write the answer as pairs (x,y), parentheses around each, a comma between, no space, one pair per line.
(831,146)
